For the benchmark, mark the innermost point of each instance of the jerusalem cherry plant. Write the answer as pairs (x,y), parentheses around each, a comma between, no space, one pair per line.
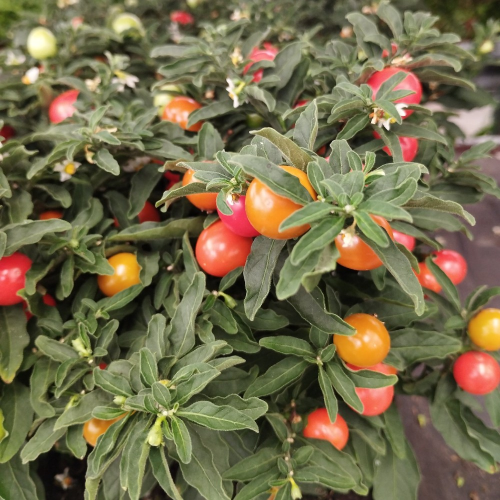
(219,270)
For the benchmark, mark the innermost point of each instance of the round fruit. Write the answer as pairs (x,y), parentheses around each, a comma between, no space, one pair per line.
(409,146)
(254,120)
(178,111)
(172,179)
(181,17)
(7,132)
(41,43)
(319,426)
(51,214)
(368,346)
(405,240)
(219,250)
(411,82)
(427,279)
(355,253)
(95,427)
(476,372)
(13,271)
(126,274)
(375,401)
(62,106)
(238,222)
(266,210)
(47,299)
(125,22)
(203,201)
(452,264)
(484,329)
(266,54)
(147,214)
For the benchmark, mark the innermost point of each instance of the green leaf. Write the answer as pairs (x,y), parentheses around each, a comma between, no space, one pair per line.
(394,431)
(277,377)
(307,214)
(17,419)
(253,466)
(331,403)
(182,439)
(258,272)
(43,440)
(142,185)
(104,159)
(199,376)
(396,478)
(149,369)
(17,482)
(202,473)
(218,418)
(294,155)
(317,238)
(113,383)
(354,125)
(209,141)
(445,282)
(162,474)
(13,339)
(285,62)
(32,231)
(258,486)
(411,130)
(262,95)
(292,346)
(343,385)
(182,336)
(58,351)
(306,127)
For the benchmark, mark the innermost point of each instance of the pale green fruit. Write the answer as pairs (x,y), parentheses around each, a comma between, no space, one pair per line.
(124,22)
(41,43)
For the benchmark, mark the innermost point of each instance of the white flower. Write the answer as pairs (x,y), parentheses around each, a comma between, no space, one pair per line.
(66,169)
(64,479)
(62,4)
(236,56)
(238,15)
(136,164)
(124,80)
(234,88)
(31,76)
(93,83)
(401,61)
(14,58)
(382,119)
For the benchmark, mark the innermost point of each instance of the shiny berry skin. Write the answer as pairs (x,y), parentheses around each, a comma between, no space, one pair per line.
(95,427)
(7,132)
(368,346)
(404,239)
(411,82)
(355,253)
(375,401)
(484,329)
(51,214)
(266,54)
(452,264)
(172,178)
(62,106)
(409,147)
(127,271)
(319,426)
(238,222)
(103,365)
(302,102)
(203,201)
(47,299)
(178,111)
(125,22)
(427,279)
(13,271)
(181,17)
(219,251)
(41,43)
(266,210)
(476,372)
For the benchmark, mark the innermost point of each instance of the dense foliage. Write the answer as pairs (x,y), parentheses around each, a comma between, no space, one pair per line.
(170,350)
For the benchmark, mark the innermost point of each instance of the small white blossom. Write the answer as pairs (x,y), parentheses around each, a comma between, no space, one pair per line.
(14,58)
(136,164)
(66,169)
(234,89)
(402,60)
(31,76)
(64,479)
(124,80)
(236,56)
(93,83)
(382,119)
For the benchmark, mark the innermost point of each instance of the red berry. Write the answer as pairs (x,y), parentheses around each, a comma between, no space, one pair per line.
(181,17)
(13,271)
(477,372)
(62,106)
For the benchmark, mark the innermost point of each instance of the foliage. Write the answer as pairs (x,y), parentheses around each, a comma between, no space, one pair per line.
(214,378)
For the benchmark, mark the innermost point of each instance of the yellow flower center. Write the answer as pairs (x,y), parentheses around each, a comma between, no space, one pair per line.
(70,168)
